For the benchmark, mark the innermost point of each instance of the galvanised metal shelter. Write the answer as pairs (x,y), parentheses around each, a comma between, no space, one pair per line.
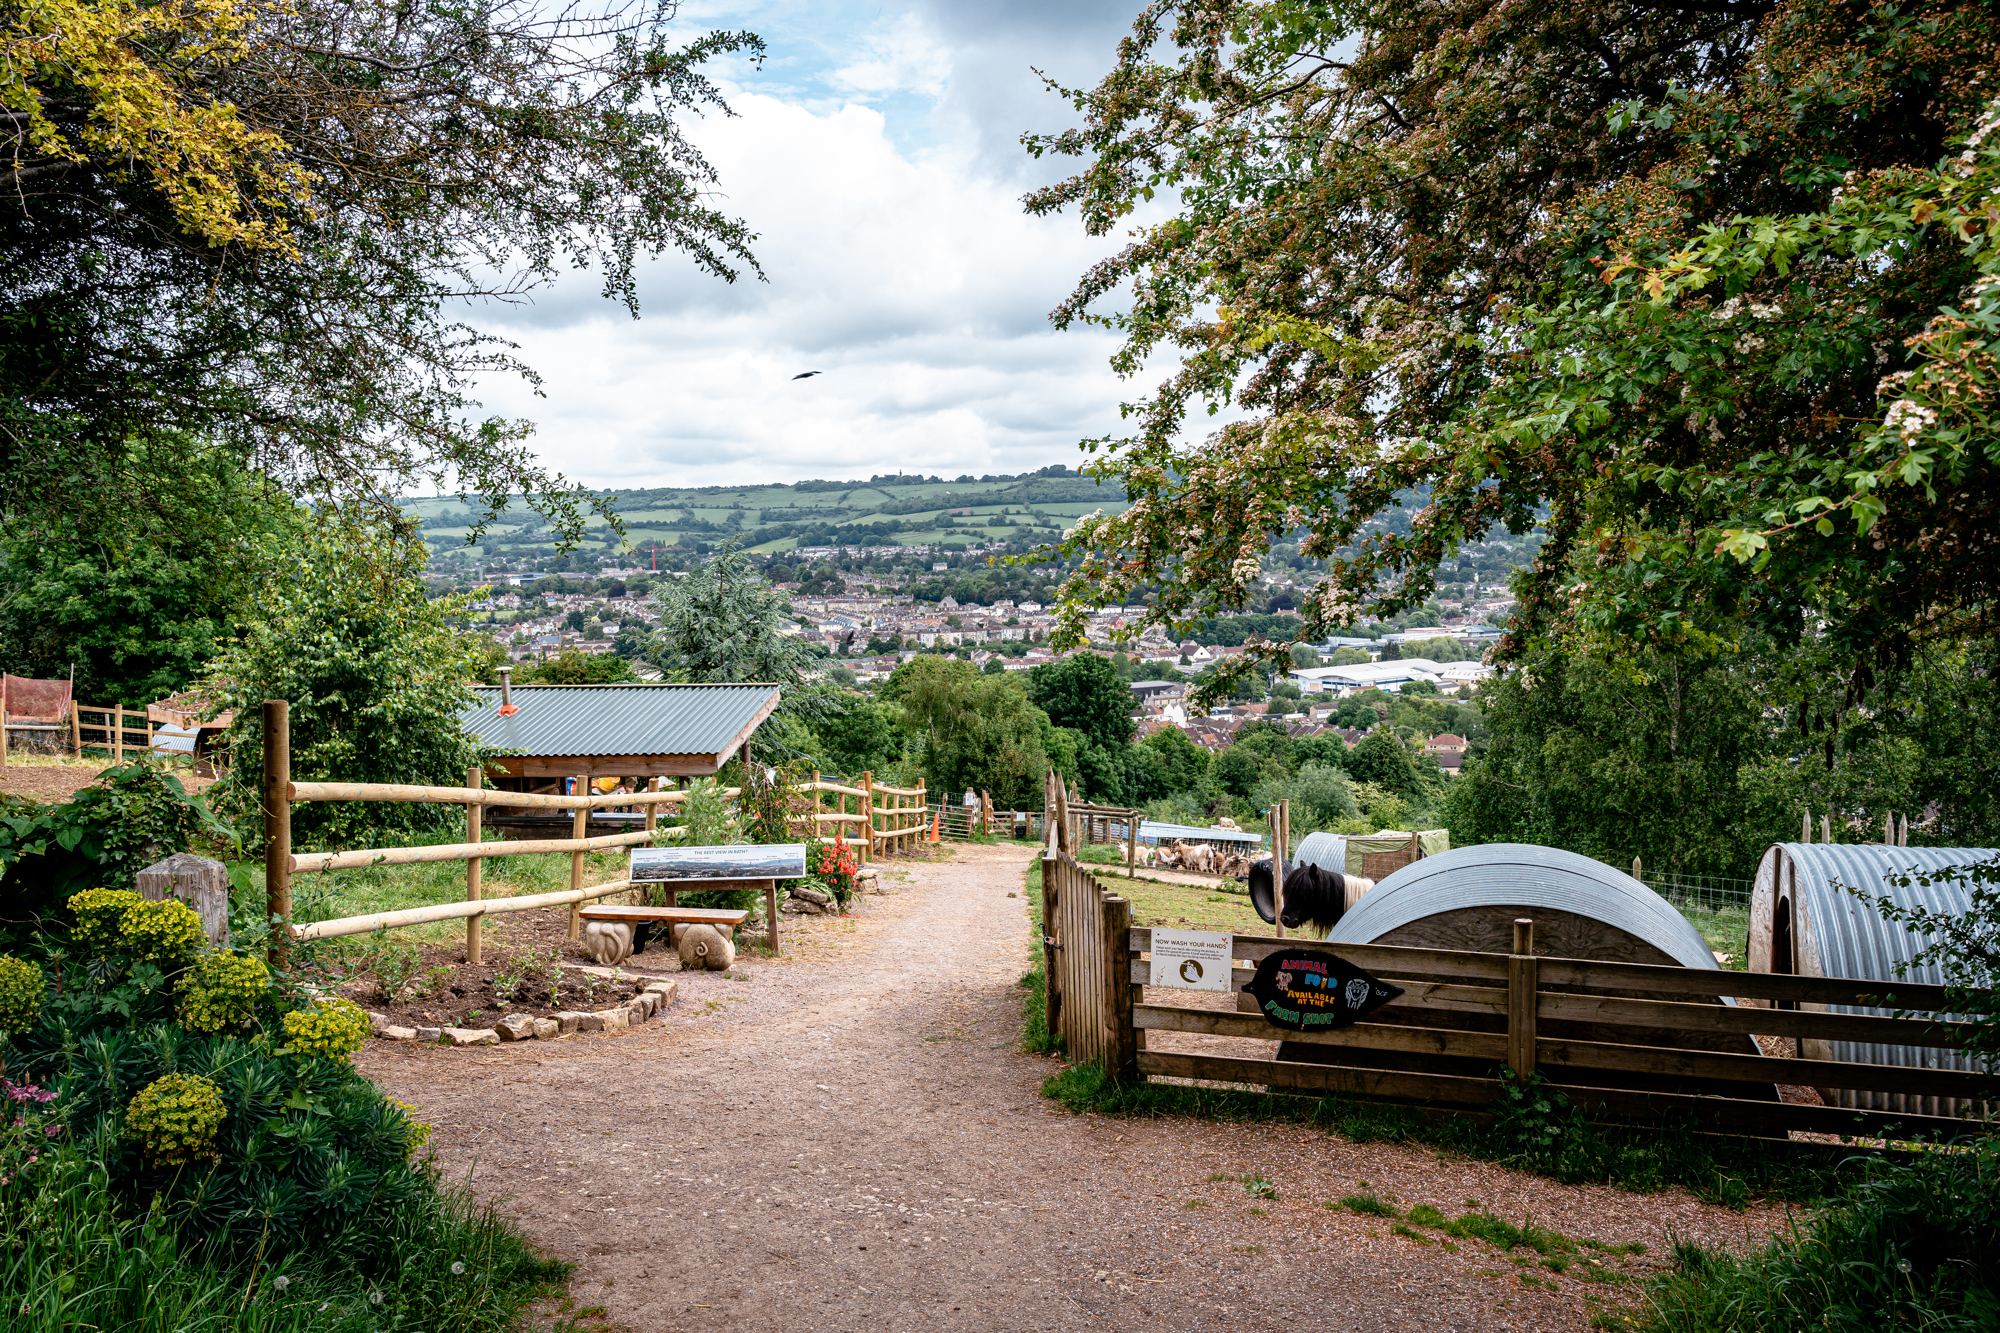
(1468,898)
(551,732)
(1813,913)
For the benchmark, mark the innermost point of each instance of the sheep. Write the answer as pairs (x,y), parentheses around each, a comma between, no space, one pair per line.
(1313,896)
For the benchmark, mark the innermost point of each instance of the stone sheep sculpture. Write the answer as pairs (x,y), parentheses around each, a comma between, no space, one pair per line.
(706,947)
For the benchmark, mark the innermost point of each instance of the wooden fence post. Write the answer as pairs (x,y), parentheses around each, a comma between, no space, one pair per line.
(1280,844)
(118,734)
(653,810)
(1121,1046)
(277,826)
(474,831)
(1131,844)
(579,828)
(1051,875)
(1523,971)
(76,728)
(868,814)
(3,731)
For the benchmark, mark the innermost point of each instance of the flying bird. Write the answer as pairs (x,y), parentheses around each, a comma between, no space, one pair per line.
(809,374)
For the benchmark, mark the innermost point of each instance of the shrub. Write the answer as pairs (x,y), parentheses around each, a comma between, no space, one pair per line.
(333,1027)
(175,1119)
(167,934)
(1918,1247)
(98,913)
(222,990)
(21,993)
(110,831)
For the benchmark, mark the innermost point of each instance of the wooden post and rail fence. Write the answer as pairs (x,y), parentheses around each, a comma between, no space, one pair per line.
(281,863)
(1603,1034)
(882,819)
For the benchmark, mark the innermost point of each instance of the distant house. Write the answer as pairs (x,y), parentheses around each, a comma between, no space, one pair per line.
(1159,691)
(1448,749)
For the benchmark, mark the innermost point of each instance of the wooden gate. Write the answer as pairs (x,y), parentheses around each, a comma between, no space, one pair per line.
(1623,1041)
(1085,944)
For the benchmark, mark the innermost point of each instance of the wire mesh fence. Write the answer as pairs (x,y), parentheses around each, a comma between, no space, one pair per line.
(1707,892)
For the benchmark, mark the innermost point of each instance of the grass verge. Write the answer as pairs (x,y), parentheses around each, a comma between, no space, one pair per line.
(1916,1247)
(448,1265)
(1036,1039)
(1533,1131)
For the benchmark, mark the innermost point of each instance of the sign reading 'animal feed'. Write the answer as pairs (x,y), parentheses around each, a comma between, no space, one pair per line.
(1191,959)
(1310,990)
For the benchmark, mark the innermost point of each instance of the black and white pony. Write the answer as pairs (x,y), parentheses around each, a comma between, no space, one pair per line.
(1314,898)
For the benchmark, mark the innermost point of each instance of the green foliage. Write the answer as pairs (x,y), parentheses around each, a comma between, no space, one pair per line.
(79,1257)
(222,991)
(99,913)
(969,731)
(175,1119)
(1916,1246)
(521,150)
(1679,276)
(375,675)
(724,623)
(332,1028)
(1368,1206)
(22,989)
(1183,763)
(1382,758)
(712,821)
(1085,693)
(1321,797)
(1036,1036)
(167,934)
(865,735)
(570,667)
(107,833)
(137,598)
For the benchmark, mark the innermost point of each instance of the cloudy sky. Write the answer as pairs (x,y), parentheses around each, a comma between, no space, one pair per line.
(877,154)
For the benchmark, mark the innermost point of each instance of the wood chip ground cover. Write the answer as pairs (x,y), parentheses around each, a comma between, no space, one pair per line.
(850,1138)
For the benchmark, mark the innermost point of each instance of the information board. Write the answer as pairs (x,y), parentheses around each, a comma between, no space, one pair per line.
(1192,959)
(748,861)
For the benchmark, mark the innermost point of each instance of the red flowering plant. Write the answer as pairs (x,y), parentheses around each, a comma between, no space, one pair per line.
(834,865)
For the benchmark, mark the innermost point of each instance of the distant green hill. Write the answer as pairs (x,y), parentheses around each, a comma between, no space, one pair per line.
(880,511)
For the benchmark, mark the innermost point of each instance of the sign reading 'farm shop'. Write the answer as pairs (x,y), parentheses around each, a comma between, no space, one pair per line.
(1310,990)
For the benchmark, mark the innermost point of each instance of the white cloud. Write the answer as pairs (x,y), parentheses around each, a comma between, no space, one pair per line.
(915,282)
(901,58)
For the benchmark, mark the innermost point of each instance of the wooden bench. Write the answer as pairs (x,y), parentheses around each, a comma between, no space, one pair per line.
(643,919)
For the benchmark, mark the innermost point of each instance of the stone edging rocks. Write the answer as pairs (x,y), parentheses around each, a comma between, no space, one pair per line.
(521,1027)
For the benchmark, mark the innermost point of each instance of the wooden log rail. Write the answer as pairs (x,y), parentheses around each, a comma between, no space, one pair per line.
(1613,1021)
(472,910)
(280,864)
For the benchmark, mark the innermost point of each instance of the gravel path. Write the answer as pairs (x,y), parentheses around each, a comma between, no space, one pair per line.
(850,1140)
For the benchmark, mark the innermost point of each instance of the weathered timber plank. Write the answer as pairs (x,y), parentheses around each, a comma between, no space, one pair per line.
(1328,1080)
(1668,1014)
(1382,959)
(1757,1068)
(1647,978)
(1457,964)
(1362,1036)
(1727,1113)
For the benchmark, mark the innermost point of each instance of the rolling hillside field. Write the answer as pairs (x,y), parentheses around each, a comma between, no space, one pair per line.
(882,511)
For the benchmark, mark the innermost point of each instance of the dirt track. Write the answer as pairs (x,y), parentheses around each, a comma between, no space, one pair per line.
(850,1140)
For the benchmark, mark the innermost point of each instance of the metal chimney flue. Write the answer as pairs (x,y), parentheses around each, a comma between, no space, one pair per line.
(506,686)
